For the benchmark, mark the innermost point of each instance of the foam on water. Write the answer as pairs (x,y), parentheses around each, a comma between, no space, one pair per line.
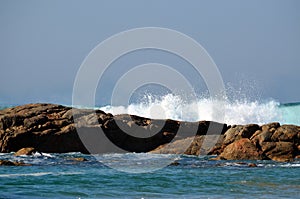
(235,112)
(37,174)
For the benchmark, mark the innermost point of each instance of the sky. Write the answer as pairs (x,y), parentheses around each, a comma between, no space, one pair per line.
(255,44)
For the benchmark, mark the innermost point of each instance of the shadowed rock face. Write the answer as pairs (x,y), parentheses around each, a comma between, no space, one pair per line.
(51,128)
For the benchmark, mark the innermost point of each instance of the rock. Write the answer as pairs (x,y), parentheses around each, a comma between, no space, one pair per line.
(11,163)
(7,163)
(232,133)
(25,151)
(252,165)
(175,163)
(237,132)
(261,136)
(50,128)
(177,147)
(189,146)
(279,151)
(79,159)
(286,133)
(270,127)
(242,149)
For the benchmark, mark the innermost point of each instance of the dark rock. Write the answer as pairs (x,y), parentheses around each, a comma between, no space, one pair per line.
(7,163)
(11,163)
(252,165)
(175,163)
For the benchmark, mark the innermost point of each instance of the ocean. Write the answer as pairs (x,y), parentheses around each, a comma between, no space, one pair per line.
(59,176)
(133,175)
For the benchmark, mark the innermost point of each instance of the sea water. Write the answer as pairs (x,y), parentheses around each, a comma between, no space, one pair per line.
(62,176)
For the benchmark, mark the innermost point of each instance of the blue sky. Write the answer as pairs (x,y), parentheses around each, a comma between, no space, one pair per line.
(255,44)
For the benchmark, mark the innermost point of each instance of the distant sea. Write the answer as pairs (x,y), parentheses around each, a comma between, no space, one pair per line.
(61,176)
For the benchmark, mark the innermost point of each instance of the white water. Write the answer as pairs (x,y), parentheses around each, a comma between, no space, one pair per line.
(237,112)
(37,174)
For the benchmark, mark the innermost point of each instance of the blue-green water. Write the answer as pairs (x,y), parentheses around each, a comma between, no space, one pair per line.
(59,176)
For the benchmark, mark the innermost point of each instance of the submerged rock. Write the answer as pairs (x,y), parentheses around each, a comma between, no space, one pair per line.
(252,165)
(79,159)
(12,163)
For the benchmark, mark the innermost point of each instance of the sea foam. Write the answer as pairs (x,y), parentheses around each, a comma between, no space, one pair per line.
(230,112)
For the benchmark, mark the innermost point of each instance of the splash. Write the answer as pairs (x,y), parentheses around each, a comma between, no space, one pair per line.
(230,112)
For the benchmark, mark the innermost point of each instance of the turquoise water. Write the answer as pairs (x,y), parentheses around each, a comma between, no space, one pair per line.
(58,176)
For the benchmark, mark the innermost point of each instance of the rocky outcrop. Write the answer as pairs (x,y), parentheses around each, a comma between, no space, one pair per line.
(51,128)
(45,127)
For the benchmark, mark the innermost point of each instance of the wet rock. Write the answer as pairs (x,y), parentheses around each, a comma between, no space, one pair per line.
(175,163)
(79,159)
(252,165)
(12,163)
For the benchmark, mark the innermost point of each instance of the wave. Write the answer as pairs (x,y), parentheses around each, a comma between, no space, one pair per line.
(37,174)
(227,111)
(230,112)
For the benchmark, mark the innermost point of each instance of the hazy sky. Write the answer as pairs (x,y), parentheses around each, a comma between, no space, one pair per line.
(255,43)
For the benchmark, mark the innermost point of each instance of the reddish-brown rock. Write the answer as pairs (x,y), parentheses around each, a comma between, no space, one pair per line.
(242,149)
